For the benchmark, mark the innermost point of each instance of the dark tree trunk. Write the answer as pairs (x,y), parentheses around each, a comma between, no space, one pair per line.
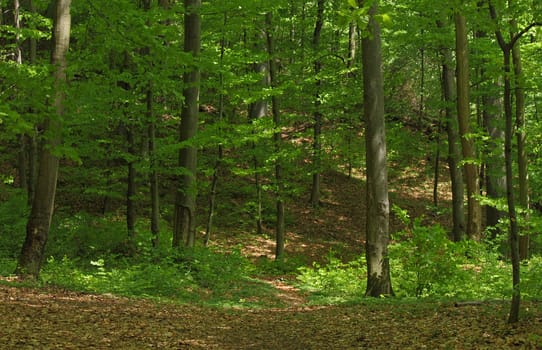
(506,48)
(317,146)
(131,186)
(184,228)
(153,176)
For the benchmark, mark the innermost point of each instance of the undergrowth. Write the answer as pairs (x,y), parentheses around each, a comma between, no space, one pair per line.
(88,253)
(426,264)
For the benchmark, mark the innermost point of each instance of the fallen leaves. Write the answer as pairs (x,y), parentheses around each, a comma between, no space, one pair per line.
(55,319)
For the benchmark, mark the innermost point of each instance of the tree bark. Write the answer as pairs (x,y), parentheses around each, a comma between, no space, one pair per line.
(220,150)
(521,139)
(131,185)
(506,48)
(317,146)
(257,110)
(184,228)
(454,152)
(378,236)
(279,225)
(37,229)
(474,216)
(495,167)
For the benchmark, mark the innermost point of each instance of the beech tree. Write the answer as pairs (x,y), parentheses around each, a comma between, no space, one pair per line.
(474,217)
(39,222)
(184,228)
(378,207)
(454,152)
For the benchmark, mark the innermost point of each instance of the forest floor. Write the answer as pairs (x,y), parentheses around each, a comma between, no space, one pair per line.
(55,319)
(52,318)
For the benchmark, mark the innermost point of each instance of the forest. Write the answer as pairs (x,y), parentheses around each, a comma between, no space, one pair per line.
(263,174)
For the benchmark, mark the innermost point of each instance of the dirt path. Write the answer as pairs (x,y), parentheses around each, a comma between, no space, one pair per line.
(32,319)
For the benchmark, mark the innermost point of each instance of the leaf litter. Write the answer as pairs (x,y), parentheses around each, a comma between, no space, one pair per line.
(59,319)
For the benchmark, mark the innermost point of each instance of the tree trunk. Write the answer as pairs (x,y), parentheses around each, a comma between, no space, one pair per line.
(495,168)
(151,143)
(352,47)
(37,229)
(474,217)
(257,110)
(454,153)
(514,236)
(184,228)
(279,226)
(378,236)
(317,146)
(153,176)
(220,151)
(506,48)
(131,186)
(521,137)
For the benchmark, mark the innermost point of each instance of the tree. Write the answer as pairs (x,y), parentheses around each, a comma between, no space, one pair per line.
(378,207)
(317,146)
(507,48)
(454,152)
(39,222)
(474,216)
(257,110)
(279,225)
(184,228)
(521,136)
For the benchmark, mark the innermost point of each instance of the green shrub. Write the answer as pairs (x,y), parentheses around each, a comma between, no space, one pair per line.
(425,262)
(334,282)
(288,265)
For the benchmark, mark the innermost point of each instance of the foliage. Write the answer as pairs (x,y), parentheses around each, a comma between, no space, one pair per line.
(13,216)
(335,282)
(425,263)
(195,275)
(424,260)
(287,265)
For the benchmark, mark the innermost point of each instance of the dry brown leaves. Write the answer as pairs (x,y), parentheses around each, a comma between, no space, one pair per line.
(54,319)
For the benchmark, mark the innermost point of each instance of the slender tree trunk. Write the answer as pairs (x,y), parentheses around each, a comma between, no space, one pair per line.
(259,110)
(421,107)
(378,236)
(184,228)
(151,143)
(37,229)
(153,176)
(506,48)
(131,186)
(220,151)
(474,217)
(454,153)
(317,146)
(352,47)
(279,226)
(32,143)
(495,167)
(514,232)
(437,164)
(521,137)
